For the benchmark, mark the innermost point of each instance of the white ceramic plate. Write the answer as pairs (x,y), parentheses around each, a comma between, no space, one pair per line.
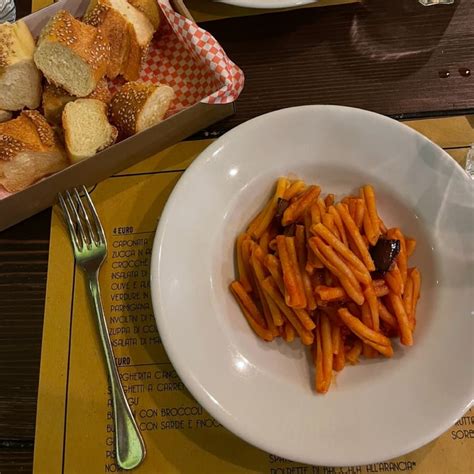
(263,392)
(270,4)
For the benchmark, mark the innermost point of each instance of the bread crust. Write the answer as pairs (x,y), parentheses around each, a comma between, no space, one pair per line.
(137,106)
(16,51)
(85,41)
(126,105)
(132,66)
(29,132)
(125,52)
(150,9)
(16,43)
(115,28)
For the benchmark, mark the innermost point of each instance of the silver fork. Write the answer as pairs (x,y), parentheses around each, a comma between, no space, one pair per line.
(90,251)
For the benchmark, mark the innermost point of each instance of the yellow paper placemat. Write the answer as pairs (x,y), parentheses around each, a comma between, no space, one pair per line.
(74,431)
(39,4)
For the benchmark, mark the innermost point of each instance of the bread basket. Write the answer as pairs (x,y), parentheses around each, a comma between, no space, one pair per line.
(193,115)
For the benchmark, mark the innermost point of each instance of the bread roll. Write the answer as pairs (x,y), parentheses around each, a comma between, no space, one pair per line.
(5,115)
(125,52)
(86,128)
(20,80)
(151,10)
(29,151)
(55,98)
(71,54)
(138,106)
(101,92)
(141,24)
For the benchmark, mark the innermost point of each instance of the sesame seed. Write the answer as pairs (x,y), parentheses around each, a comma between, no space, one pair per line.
(9,147)
(44,131)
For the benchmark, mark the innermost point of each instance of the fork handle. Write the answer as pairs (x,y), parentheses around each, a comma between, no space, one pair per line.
(130,448)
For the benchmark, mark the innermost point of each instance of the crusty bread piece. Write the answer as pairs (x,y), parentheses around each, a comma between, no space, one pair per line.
(138,106)
(125,52)
(20,80)
(133,64)
(142,25)
(29,151)
(86,128)
(151,10)
(71,54)
(55,99)
(101,92)
(5,115)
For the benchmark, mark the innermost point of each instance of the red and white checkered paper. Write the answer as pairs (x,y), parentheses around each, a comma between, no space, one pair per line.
(191,61)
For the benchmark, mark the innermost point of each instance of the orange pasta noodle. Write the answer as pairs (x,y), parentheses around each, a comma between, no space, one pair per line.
(321,384)
(294,189)
(410,246)
(371,299)
(331,293)
(369,198)
(270,210)
(300,244)
(355,235)
(243,262)
(406,336)
(297,209)
(258,326)
(270,287)
(366,318)
(326,342)
(295,296)
(338,268)
(416,277)
(338,223)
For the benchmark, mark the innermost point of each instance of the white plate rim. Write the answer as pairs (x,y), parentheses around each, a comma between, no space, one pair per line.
(199,392)
(267,4)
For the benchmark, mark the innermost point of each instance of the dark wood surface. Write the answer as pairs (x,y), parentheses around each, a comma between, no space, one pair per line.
(23,268)
(385,56)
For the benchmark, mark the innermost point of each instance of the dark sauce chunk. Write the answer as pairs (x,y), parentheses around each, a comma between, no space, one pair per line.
(383,253)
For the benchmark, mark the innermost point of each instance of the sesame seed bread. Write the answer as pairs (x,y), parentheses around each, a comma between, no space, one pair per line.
(5,115)
(29,151)
(142,25)
(101,92)
(125,52)
(133,64)
(71,54)
(86,128)
(55,99)
(138,106)
(151,10)
(20,80)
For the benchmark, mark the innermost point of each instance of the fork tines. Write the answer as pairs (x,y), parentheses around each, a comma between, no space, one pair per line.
(81,218)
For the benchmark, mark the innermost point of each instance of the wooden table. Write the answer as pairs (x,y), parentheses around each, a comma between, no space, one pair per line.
(391,57)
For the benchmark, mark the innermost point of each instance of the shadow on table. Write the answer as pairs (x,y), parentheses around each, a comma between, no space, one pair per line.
(393,39)
(470,119)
